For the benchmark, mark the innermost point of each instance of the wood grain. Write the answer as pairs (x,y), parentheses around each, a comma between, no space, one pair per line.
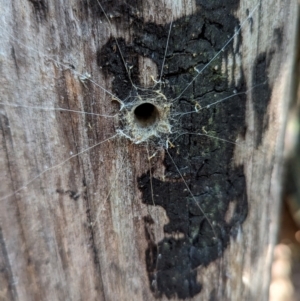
(81,227)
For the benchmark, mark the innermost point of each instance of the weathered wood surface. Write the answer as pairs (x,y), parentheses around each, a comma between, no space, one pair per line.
(83,227)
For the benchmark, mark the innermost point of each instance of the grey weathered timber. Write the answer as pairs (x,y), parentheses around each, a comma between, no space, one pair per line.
(104,198)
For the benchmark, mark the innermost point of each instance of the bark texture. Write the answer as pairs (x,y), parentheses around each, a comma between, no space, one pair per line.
(106,198)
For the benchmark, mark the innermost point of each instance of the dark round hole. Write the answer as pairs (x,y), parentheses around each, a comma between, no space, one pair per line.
(146,114)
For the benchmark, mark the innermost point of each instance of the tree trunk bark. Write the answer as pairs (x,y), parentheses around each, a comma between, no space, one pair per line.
(142,147)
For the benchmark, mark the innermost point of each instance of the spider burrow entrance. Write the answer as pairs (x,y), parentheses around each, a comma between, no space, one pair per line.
(146,114)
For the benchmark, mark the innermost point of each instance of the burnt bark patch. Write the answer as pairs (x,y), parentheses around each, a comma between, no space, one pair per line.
(196,199)
(261,96)
(40,9)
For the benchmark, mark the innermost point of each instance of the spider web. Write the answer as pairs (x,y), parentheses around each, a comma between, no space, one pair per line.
(193,111)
